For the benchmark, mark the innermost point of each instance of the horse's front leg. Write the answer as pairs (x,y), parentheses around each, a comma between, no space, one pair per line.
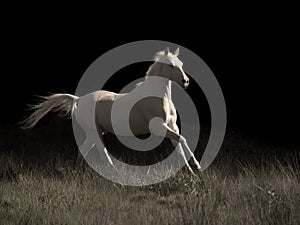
(161,129)
(183,142)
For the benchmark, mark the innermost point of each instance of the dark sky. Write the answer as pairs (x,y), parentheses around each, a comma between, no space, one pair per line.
(256,70)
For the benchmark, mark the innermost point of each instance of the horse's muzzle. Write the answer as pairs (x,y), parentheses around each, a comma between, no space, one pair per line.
(185,83)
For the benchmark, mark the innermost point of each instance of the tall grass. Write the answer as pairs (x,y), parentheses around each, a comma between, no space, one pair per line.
(60,194)
(238,188)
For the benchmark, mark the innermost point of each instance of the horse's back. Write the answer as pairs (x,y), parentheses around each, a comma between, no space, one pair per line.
(88,105)
(95,110)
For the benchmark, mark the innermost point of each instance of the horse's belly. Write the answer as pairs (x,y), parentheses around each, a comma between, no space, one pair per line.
(139,125)
(126,126)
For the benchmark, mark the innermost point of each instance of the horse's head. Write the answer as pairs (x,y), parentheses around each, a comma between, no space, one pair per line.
(171,67)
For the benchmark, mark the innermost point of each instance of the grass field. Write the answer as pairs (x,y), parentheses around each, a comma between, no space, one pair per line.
(237,189)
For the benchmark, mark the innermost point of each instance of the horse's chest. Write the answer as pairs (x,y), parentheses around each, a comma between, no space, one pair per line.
(168,106)
(170,112)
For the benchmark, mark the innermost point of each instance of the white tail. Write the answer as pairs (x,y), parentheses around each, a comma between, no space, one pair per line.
(62,103)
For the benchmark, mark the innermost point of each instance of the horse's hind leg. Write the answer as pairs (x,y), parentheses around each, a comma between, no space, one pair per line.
(102,149)
(84,149)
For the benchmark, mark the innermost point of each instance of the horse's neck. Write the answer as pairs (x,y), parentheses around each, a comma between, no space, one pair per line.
(159,85)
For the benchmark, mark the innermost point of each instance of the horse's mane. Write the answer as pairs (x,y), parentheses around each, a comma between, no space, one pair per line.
(159,57)
(162,57)
(150,71)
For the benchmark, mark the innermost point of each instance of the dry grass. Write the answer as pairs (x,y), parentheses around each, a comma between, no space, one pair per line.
(60,194)
(245,185)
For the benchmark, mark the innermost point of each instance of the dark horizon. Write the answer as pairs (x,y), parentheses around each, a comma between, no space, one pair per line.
(257,78)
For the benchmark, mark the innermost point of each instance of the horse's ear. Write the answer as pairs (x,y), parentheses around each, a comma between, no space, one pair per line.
(167,50)
(176,53)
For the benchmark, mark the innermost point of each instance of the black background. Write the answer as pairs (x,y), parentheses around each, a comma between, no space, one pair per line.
(255,66)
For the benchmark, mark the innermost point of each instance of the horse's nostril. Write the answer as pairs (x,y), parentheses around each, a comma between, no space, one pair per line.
(185,81)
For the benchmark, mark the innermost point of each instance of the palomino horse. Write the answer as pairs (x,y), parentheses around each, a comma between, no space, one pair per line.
(96,107)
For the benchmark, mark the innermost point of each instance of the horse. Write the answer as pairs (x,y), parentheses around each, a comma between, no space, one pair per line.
(93,111)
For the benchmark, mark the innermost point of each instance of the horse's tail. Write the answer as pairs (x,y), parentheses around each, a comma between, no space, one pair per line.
(62,103)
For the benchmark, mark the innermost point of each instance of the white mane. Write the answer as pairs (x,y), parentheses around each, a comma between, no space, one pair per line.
(167,57)
(162,57)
